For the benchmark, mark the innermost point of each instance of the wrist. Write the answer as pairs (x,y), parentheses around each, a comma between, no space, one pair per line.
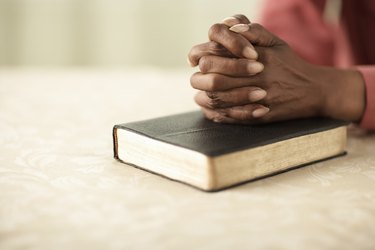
(343,92)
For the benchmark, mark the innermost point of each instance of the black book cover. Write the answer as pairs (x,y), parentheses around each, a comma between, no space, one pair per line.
(191,130)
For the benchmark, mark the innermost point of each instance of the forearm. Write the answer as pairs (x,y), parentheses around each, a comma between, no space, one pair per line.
(368,118)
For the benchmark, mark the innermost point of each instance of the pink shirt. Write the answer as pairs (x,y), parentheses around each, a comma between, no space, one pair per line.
(347,43)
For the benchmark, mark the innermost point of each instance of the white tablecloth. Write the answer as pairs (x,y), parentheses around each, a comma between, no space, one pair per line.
(60,187)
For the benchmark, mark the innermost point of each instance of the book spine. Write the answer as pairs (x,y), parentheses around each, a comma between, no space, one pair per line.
(115,143)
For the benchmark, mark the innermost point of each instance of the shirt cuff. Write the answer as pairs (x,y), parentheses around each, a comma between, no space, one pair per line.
(368,118)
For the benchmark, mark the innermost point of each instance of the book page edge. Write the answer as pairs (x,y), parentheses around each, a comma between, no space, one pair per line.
(341,132)
(197,161)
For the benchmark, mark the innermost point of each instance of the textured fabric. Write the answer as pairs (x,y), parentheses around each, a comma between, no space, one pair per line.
(350,42)
(61,188)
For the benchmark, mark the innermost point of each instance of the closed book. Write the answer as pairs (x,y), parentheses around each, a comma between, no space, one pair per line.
(212,156)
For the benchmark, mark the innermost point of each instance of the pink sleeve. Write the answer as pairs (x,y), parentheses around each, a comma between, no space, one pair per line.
(368,119)
(301,25)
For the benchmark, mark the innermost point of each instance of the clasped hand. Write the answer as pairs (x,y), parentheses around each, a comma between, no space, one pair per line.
(249,75)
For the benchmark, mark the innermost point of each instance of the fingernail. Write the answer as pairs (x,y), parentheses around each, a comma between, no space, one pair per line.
(189,62)
(230,21)
(257,95)
(254,67)
(250,53)
(259,112)
(239,28)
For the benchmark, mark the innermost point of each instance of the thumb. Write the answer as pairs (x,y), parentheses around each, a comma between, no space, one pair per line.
(257,34)
(236,19)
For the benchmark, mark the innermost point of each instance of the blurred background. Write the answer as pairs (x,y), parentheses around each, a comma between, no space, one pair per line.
(109,33)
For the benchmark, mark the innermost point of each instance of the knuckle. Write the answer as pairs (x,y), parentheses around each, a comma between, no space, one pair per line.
(214,101)
(214,30)
(256,27)
(257,31)
(205,64)
(215,47)
(242,18)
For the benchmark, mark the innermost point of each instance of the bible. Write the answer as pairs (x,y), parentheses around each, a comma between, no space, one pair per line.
(212,156)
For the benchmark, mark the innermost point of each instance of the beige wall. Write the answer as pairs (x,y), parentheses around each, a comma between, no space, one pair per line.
(108,32)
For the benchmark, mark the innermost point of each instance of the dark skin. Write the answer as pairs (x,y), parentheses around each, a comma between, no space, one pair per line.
(249,75)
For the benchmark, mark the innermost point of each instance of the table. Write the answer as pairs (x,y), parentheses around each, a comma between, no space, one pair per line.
(62,189)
